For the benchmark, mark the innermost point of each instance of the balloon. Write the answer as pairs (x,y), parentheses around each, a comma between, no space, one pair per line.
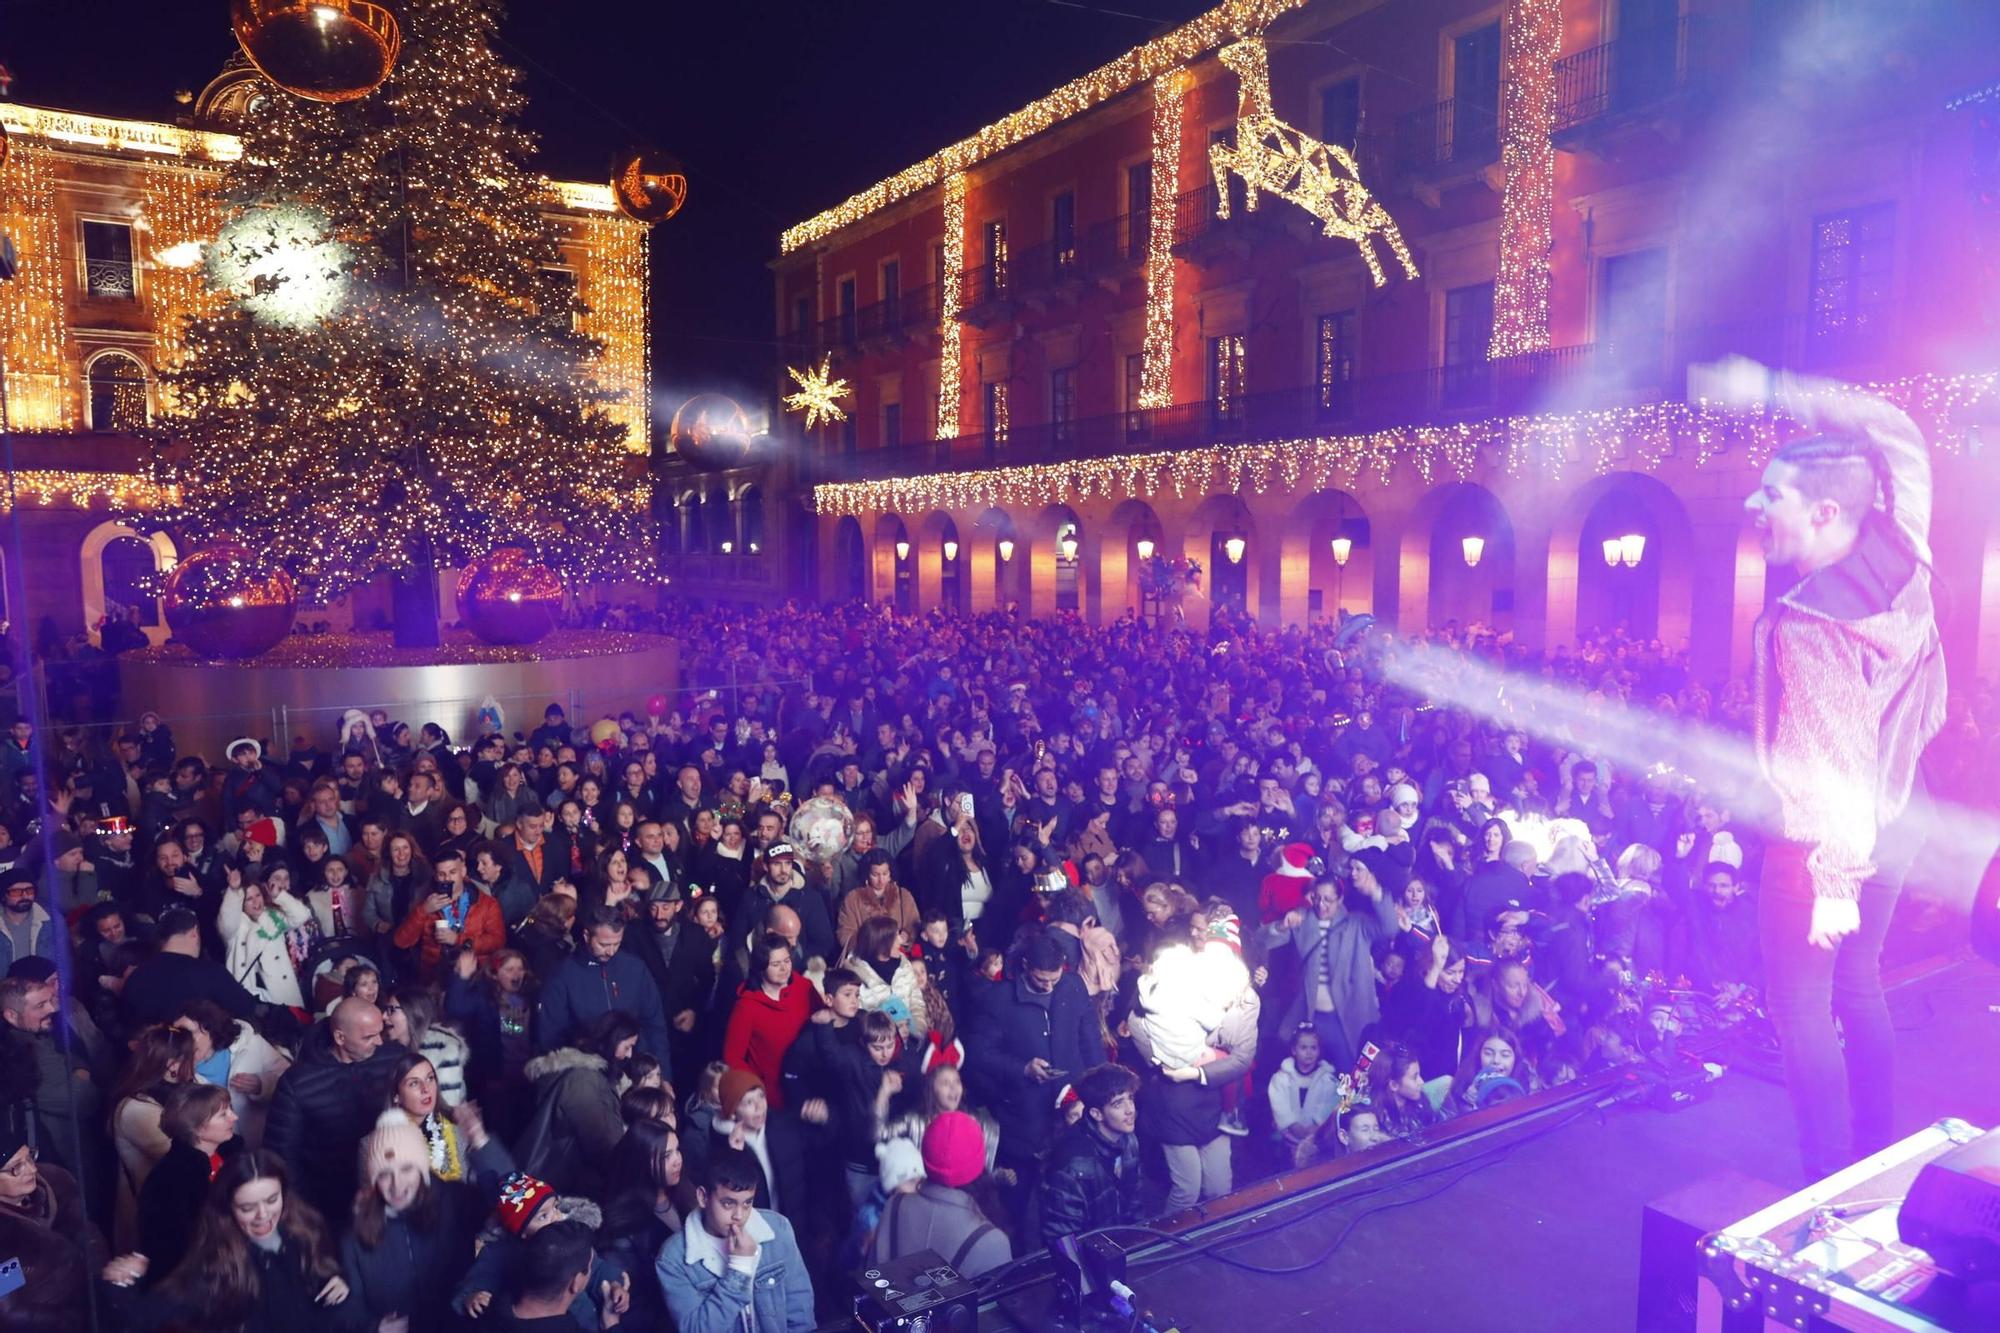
(603,731)
(656,705)
(822,828)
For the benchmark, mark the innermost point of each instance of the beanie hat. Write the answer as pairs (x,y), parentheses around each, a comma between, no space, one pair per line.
(898,1163)
(954,1150)
(1723,847)
(1228,929)
(1404,794)
(734,1085)
(395,1140)
(521,1196)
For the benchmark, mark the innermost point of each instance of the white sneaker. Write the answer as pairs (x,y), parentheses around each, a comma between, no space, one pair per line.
(1232,1124)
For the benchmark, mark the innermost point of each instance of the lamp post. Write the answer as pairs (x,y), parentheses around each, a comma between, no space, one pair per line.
(1343,551)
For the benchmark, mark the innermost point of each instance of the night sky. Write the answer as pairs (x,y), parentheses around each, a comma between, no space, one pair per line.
(778,109)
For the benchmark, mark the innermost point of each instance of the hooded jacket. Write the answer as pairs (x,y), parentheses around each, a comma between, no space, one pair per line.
(762,1029)
(582,988)
(1848,670)
(575,1124)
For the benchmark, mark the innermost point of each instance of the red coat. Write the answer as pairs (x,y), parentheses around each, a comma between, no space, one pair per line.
(484,929)
(762,1029)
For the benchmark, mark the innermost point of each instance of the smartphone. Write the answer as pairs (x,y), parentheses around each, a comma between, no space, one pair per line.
(965,805)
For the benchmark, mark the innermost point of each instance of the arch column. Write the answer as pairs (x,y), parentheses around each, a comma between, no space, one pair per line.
(980,563)
(1544,586)
(1107,600)
(1712,635)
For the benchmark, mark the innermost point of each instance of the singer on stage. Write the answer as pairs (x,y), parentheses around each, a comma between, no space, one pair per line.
(1849,688)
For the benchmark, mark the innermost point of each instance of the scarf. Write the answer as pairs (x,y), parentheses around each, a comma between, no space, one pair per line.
(442,1135)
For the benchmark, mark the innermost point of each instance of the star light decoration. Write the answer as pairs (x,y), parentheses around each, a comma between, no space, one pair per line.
(819,393)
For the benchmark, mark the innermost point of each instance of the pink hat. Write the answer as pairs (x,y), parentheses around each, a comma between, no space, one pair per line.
(954,1150)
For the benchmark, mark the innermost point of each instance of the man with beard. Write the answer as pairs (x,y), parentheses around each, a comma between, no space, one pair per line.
(679,957)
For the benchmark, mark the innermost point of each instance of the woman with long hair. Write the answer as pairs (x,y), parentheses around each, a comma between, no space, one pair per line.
(260,1261)
(877,957)
(411,1237)
(644,1209)
(773,1005)
(410,1017)
(265,928)
(404,877)
(461,828)
(1494,1058)
(202,1126)
(161,1057)
(454,1134)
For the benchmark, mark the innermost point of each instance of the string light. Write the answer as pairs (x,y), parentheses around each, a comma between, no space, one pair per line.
(1273,158)
(1531,38)
(1156,367)
(333,651)
(120,136)
(1140,65)
(819,393)
(1547,448)
(615,288)
(34,324)
(79,490)
(950,331)
(180,216)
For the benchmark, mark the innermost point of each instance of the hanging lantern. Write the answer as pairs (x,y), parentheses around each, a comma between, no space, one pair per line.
(1144,546)
(1343,550)
(222,609)
(1474,547)
(902,550)
(1234,549)
(950,550)
(711,432)
(321,50)
(1614,549)
(1006,547)
(506,596)
(648,187)
(1632,549)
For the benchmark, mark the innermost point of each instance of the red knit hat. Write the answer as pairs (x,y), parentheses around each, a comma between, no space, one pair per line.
(521,1196)
(734,1084)
(954,1150)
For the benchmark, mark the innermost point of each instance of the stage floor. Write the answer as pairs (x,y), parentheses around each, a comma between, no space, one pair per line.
(1546,1236)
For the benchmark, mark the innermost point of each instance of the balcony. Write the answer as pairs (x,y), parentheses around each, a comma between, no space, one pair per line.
(985,297)
(1203,237)
(1633,86)
(1862,341)
(1448,144)
(1114,250)
(1049,273)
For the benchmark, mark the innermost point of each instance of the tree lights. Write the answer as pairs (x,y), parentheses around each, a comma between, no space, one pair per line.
(1156,367)
(1531,37)
(950,292)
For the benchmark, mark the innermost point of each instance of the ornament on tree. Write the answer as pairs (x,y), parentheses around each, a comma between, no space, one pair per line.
(222,609)
(648,187)
(505,596)
(711,433)
(321,50)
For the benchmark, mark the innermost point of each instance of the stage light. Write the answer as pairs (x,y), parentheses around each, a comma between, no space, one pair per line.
(950,550)
(902,550)
(1474,547)
(1343,549)
(1144,547)
(1006,548)
(1233,547)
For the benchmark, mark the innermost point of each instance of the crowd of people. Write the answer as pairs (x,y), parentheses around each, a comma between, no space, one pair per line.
(387,1031)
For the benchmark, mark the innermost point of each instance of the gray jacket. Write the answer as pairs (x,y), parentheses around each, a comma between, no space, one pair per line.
(946,1220)
(1350,936)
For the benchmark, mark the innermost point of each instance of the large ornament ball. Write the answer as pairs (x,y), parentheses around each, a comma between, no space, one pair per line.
(648,187)
(222,610)
(712,433)
(504,596)
(321,50)
(822,828)
(603,732)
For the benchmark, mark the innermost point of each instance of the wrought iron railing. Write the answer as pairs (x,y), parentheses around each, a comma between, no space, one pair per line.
(1454,133)
(1636,70)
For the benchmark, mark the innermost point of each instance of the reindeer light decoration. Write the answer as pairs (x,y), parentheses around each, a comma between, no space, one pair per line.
(1273,158)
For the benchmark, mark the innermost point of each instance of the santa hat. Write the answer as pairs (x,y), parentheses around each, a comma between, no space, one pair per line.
(1284,889)
(395,1140)
(939,1053)
(266,831)
(898,1162)
(1294,860)
(521,1197)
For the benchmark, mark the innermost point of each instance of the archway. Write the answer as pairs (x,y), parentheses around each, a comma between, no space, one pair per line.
(1326,559)
(890,578)
(1221,536)
(850,561)
(994,562)
(1638,522)
(750,519)
(938,559)
(1056,562)
(118,398)
(115,558)
(1132,535)
(1457,560)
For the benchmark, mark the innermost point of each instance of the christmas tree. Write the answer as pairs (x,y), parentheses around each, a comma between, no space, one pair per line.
(390,381)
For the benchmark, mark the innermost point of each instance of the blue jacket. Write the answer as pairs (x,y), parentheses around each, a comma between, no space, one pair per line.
(778,1298)
(1010,1025)
(582,989)
(44,937)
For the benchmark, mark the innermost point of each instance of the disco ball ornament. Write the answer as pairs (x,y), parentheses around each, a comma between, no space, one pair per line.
(282,264)
(822,828)
(711,432)
(321,50)
(223,610)
(505,596)
(648,187)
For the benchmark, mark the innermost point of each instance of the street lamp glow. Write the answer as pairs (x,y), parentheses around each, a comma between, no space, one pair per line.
(1474,547)
(1234,549)
(903,550)
(950,550)
(1632,548)
(1069,546)
(1343,550)
(1006,548)
(1145,548)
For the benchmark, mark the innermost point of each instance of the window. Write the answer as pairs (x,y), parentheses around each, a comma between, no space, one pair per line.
(1475,92)
(1632,307)
(1062,405)
(1138,425)
(1062,231)
(117,392)
(1340,113)
(1336,361)
(995,240)
(850,434)
(1138,207)
(1225,380)
(994,407)
(1068,567)
(1468,330)
(892,288)
(892,425)
(937,266)
(801,315)
(1853,261)
(107,261)
(128,562)
(849,300)
(750,515)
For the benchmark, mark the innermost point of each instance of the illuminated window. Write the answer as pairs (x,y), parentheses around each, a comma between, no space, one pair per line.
(1137,423)
(1225,380)
(995,408)
(1853,261)
(995,238)
(107,261)
(117,392)
(1340,113)
(1062,231)
(1336,360)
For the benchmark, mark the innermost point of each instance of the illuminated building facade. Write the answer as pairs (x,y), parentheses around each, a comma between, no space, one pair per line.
(109,218)
(1066,360)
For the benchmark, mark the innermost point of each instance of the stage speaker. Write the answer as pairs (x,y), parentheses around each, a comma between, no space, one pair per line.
(1670,1235)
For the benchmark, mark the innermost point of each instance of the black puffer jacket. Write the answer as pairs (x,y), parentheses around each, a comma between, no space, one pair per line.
(321,1111)
(1090,1182)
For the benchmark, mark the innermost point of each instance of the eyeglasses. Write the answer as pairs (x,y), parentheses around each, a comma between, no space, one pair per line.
(18,1170)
